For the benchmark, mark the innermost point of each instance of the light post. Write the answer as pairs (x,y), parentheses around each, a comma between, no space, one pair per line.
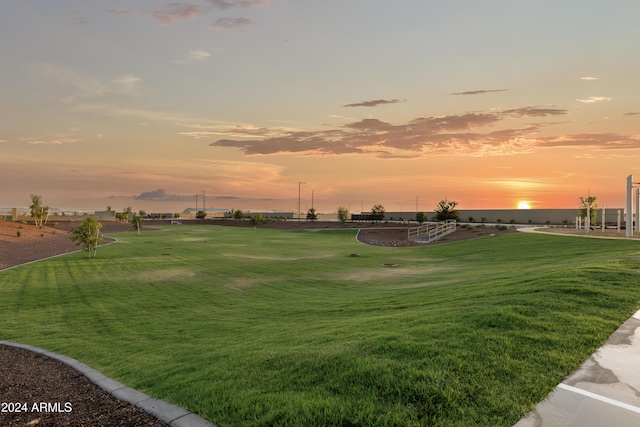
(204,206)
(312,191)
(299,185)
(629,221)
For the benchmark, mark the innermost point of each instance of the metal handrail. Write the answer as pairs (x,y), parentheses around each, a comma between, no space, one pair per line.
(432,231)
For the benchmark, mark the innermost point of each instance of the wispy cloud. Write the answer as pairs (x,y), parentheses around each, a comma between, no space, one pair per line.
(238,25)
(198,55)
(117,110)
(589,78)
(235,132)
(224,5)
(176,11)
(127,83)
(121,12)
(479,92)
(59,140)
(373,103)
(3,140)
(597,140)
(536,112)
(194,57)
(594,99)
(83,85)
(631,114)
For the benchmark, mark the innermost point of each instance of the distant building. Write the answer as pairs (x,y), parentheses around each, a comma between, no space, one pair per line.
(211,212)
(160,215)
(265,214)
(105,215)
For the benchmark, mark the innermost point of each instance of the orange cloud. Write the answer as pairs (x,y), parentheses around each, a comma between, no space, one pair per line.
(176,11)
(463,134)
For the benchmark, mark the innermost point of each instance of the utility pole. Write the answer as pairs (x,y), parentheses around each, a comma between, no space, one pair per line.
(299,185)
(204,206)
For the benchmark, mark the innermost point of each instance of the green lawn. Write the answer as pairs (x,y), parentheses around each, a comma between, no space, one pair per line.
(262,327)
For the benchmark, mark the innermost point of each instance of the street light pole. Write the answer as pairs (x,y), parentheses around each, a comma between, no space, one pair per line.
(312,191)
(299,185)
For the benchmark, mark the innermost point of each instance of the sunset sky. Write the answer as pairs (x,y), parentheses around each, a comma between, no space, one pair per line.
(487,102)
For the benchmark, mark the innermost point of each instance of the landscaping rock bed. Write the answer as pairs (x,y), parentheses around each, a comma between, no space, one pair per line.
(72,399)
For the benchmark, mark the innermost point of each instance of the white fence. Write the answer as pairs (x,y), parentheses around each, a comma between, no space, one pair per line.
(431,231)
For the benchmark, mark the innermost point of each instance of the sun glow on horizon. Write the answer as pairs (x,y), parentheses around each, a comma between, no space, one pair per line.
(524,205)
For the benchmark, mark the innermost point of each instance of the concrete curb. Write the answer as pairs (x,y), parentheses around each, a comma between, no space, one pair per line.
(173,415)
(590,236)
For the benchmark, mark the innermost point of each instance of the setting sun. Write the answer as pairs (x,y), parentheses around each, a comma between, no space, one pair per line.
(524,205)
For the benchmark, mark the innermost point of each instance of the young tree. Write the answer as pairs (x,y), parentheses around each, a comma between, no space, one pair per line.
(446,210)
(343,214)
(256,219)
(87,234)
(39,213)
(312,215)
(421,217)
(238,214)
(591,203)
(377,212)
(124,215)
(136,220)
(201,215)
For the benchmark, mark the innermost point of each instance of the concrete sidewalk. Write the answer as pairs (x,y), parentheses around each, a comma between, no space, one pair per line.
(604,391)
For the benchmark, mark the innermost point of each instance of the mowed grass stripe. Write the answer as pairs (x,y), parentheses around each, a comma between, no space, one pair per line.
(262,327)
